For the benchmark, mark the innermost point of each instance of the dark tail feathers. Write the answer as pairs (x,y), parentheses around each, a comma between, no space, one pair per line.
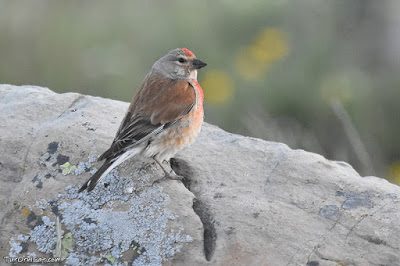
(96,178)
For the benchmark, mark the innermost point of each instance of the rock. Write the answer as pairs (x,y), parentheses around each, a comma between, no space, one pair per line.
(244,201)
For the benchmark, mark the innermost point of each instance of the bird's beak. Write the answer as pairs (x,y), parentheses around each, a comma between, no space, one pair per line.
(197,64)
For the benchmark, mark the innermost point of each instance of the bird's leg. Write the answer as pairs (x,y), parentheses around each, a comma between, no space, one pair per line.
(169,173)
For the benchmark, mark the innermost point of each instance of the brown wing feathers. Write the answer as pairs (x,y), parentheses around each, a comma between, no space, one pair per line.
(166,102)
(174,104)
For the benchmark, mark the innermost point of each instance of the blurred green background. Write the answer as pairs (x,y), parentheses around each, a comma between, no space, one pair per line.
(319,75)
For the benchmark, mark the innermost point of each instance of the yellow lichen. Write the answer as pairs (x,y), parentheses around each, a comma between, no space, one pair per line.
(25,212)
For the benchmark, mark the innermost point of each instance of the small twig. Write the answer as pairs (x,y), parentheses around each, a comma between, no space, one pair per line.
(58,246)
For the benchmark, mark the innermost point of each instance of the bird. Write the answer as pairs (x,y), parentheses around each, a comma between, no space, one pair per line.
(165,116)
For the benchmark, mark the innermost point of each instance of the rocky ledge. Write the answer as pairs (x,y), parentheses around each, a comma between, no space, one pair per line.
(244,201)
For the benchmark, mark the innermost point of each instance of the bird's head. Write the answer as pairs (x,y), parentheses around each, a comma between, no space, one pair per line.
(179,63)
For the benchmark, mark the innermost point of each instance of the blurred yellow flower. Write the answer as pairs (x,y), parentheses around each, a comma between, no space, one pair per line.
(270,45)
(393,173)
(252,62)
(218,86)
(248,66)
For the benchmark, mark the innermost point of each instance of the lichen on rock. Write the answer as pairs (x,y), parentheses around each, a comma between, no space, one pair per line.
(98,227)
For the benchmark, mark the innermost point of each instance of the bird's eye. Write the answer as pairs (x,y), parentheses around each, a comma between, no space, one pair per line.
(181,60)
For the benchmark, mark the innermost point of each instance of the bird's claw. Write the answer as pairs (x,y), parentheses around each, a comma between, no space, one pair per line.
(172,176)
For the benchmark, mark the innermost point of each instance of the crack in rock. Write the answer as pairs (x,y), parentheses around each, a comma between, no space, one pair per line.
(210,234)
(37,130)
(351,229)
(320,242)
(200,208)
(78,100)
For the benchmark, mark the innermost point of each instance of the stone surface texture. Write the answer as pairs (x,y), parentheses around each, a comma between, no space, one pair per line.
(244,201)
